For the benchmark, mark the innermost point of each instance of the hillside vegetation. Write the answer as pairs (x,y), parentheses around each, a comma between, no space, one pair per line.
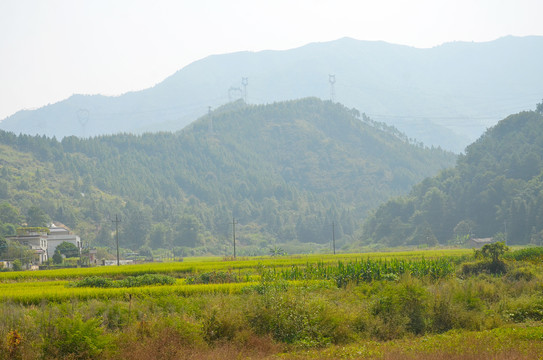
(286,172)
(496,189)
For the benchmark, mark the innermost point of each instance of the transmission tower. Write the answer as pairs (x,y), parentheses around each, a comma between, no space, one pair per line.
(332,81)
(245,82)
(234,93)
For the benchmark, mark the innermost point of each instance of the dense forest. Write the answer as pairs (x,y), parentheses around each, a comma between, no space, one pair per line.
(496,189)
(282,173)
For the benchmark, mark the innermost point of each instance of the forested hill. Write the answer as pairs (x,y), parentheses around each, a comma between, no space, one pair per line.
(285,172)
(496,189)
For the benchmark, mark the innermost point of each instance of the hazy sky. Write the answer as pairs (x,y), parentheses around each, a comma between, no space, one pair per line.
(51,49)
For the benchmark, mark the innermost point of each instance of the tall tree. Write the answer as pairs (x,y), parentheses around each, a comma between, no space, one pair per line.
(3,245)
(9,214)
(37,217)
(136,226)
(67,249)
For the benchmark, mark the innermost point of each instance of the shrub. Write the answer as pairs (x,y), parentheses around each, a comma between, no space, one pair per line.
(223,324)
(146,280)
(518,273)
(483,267)
(114,314)
(213,277)
(490,263)
(57,257)
(294,318)
(76,338)
(129,281)
(93,281)
(527,254)
(17,266)
(526,308)
(401,308)
(443,314)
(492,252)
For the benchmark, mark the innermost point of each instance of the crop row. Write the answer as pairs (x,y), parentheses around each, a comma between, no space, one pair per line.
(185,268)
(32,293)
(365,270)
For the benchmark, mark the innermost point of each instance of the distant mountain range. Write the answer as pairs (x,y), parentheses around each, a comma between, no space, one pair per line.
(444,96)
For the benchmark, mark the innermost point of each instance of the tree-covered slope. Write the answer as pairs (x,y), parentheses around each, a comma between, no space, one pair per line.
(285,171)
(496,187)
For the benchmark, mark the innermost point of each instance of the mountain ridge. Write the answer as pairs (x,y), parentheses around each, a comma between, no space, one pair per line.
(444,96)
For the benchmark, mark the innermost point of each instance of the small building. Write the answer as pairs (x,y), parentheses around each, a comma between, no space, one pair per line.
(92,257)
(114,262)
(59,234)
(480,242)
(36,239)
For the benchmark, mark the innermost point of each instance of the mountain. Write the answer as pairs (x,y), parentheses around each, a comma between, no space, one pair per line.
(284,171)
(444,96)
(496,189)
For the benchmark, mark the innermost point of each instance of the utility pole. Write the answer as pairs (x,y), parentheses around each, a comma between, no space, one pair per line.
(117,221)
(334,236)
(234,222)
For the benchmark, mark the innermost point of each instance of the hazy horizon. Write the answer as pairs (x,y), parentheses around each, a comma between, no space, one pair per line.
(53,49)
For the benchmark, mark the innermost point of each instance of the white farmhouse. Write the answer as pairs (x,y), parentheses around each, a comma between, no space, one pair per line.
(58,235)
(36,240)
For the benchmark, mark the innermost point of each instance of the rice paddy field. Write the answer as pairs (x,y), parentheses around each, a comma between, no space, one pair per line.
(431,304)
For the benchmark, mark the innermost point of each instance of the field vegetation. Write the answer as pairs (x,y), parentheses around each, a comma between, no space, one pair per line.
(455,304)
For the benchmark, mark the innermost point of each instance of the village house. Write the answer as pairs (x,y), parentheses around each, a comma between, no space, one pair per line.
(480,242)
(59,234)
(44,241)
(36,239)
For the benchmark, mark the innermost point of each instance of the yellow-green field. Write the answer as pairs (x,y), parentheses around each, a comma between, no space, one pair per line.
(433,304)
(195,265)
(32,287)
